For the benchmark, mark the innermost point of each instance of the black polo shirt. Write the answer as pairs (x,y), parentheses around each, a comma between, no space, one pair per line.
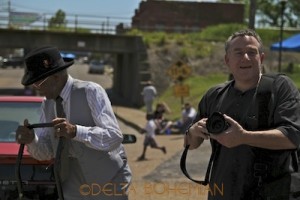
(233,168)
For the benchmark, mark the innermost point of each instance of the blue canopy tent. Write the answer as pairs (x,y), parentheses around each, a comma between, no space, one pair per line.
(290,44)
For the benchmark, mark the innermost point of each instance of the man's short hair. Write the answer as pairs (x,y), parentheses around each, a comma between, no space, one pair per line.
(241,33)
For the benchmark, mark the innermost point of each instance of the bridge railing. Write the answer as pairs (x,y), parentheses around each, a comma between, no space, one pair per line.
(73,23)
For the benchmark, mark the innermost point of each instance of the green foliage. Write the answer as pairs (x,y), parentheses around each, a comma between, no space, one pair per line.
(59,20)
(295,76)
(198,86)
(220,32)
(270,12)
(195,45)
(153,38)
(82,30)
(196,40)
(199,45)
(135,32)
(59,23)
(66,29)
(270,36)
(215,33)
(161,39)
(198,50)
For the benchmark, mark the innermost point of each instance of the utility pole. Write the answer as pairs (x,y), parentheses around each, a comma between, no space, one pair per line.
(282,3)
(252,12)
(107,25)
(9,14)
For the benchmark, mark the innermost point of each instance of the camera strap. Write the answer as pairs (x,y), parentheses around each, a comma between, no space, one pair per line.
(263,96)
(262,162)
(215,147)
(207,174)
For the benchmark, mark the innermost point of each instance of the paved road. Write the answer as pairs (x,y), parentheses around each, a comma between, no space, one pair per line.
(12,77)
(158,167)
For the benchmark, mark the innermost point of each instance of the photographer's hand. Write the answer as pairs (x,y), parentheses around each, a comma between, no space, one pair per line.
(196,134)
(231,137)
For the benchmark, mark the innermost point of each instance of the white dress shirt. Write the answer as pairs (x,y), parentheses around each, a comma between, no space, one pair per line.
(105,136)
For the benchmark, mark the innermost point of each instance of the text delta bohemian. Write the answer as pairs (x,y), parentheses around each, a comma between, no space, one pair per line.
(149,188)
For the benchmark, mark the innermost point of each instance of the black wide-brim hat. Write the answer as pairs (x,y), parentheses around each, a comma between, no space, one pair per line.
(43,62)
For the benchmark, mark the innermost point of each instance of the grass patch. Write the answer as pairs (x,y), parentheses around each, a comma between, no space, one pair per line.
(198,87)
(200,45)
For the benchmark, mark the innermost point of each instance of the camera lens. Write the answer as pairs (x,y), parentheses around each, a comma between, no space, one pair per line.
(216,123)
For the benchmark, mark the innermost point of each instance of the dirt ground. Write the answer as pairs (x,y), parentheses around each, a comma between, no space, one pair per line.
(159,176)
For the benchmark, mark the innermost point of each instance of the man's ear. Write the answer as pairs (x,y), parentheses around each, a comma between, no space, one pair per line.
(226,59)
(262,57)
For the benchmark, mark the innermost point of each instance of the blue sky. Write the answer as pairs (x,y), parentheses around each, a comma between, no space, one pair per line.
(112,8)
(118,8)
(111,12)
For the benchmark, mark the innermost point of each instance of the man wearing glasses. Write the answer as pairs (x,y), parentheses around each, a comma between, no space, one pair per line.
(92,153)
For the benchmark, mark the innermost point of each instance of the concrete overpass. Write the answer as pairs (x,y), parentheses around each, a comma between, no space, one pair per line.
(131,68)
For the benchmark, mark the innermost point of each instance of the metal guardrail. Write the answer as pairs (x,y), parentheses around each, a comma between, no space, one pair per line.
(72,23)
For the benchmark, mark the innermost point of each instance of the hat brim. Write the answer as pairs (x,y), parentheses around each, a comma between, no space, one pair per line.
(29,79)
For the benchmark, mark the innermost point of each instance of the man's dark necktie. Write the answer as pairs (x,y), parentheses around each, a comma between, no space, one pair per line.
(59,107)
(61,152)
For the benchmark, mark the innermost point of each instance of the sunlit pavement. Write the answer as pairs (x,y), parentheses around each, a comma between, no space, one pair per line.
(159,176)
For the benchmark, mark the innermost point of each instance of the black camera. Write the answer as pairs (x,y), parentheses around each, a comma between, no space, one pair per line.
(216,123)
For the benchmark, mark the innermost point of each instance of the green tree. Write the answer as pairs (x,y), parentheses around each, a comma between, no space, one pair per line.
(59,20)
(270,12)
(294,19)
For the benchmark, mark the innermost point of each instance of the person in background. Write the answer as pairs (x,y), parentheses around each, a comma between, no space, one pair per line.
(149,140)
(188,114)
(163,125)
(82,117)
(251,160)
(149,93)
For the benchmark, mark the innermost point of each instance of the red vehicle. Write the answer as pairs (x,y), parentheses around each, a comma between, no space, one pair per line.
(37,177)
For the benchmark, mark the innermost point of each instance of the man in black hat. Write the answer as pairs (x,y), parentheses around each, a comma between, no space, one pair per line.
(93,154)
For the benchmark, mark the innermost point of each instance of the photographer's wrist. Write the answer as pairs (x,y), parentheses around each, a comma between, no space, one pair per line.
(187,132)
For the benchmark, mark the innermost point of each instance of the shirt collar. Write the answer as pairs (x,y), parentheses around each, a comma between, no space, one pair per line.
(65,93)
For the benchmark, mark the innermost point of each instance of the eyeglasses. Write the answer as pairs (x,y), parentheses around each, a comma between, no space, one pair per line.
(38,86)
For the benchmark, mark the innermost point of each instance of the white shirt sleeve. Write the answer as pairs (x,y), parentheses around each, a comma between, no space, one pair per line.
(41,148)
(106,135)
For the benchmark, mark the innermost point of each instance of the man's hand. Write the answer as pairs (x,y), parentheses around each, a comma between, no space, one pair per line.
(199,129)
(196,134)
(231,137)
(64,128)
(24,135)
